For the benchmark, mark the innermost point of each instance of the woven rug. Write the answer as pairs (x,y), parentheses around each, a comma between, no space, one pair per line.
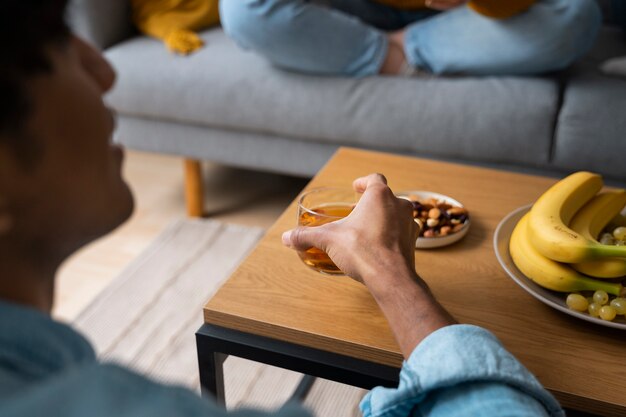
(146,319)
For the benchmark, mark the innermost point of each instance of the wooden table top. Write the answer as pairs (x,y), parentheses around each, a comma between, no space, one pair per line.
(273,294)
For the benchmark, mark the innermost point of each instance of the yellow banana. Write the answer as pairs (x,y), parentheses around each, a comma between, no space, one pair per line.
(589,221)
(604,268)
(552,212)
(548,273)
(619,220)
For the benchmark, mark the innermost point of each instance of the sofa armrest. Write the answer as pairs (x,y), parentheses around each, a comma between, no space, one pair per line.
(102,23)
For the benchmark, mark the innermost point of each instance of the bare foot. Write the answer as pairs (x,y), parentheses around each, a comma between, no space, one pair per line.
(397,36)
(395,61)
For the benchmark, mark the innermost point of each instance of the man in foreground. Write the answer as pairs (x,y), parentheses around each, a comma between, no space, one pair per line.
(61,187)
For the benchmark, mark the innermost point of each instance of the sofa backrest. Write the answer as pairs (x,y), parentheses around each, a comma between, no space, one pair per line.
(101,22)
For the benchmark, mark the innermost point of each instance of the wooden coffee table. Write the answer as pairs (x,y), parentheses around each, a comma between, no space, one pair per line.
(277,311)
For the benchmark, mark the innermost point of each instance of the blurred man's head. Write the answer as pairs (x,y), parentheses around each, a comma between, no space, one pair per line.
(60,180)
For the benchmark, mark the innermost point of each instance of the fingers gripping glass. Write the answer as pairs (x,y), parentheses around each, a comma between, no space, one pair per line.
(320,206)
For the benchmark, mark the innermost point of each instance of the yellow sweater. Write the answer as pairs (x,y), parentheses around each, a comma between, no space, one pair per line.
(175,21)
(498,9)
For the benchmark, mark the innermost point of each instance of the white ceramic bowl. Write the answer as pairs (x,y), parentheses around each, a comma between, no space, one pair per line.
(439,241)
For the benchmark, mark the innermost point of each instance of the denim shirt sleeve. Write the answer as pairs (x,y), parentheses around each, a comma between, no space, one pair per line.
(109,390)
(462,370)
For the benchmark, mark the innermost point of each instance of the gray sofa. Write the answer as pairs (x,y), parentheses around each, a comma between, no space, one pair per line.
(230,106)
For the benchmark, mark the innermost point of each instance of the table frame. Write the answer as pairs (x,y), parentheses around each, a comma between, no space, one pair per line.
(216,343)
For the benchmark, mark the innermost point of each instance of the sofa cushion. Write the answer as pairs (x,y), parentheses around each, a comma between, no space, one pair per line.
(490,119)
(609,55)
(592,126)
(591,130)
(615,66)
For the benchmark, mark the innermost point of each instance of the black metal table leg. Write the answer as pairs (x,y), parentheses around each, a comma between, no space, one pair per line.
(214,340)
(303,388)
(211,367)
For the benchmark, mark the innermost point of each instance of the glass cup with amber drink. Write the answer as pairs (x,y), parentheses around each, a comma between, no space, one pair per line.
(320,206)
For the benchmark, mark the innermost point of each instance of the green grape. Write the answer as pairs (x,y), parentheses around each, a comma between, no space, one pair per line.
(607,239)
(620,233)
(594,309)
(607,313)
(600,297)
(577,302)
(619,304)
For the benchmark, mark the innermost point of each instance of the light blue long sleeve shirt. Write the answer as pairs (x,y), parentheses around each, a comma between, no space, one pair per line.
(48,369)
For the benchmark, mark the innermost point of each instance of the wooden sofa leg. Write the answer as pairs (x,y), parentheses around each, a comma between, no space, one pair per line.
(194,195)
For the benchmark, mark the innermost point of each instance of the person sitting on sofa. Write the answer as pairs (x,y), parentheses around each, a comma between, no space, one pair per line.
(61,188)
(367,37)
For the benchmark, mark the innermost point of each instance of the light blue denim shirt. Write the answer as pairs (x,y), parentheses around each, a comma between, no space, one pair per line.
(48,369)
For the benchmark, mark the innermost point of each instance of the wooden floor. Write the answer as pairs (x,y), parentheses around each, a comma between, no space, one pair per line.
(231,195)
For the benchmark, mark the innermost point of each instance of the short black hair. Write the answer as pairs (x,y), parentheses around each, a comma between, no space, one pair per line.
(27,28)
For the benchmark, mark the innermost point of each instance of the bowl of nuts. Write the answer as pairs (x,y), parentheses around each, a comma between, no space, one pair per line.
(444,219)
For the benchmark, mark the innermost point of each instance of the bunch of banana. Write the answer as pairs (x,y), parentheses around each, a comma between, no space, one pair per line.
(619,220)
(548,273)
(550,216)
(562,228)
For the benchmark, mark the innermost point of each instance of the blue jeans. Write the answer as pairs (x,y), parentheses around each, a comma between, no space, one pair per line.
(348,37)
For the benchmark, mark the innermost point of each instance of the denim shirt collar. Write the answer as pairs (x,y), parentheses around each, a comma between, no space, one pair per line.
(33,346)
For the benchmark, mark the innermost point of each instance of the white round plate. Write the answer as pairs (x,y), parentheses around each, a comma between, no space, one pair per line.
(553,299)
(436,242)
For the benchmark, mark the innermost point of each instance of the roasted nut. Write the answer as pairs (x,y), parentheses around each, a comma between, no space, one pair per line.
(432,222)
(434,213)
(456,211)
(438,217)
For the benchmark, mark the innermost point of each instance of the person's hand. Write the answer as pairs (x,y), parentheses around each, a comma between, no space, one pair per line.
(444,4)
(374,241)
(375,244)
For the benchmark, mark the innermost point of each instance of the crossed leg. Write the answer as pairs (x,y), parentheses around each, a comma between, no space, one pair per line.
(357,37)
